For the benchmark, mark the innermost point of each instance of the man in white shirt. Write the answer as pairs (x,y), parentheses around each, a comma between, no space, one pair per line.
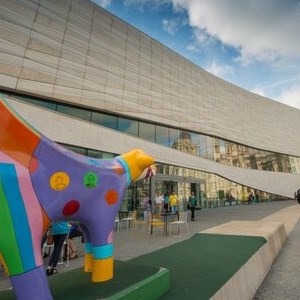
(159,202)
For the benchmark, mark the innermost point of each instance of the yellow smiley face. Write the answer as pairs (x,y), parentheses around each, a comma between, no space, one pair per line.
(59,181)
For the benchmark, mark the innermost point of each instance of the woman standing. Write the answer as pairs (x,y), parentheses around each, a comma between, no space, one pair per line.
(59,232)
(193,204)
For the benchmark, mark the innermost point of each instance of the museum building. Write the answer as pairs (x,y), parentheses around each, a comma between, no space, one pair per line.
(101,87)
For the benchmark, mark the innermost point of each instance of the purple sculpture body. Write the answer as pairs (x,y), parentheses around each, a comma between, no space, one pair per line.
(42,182)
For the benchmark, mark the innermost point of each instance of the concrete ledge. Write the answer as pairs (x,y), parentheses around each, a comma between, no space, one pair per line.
(244,284)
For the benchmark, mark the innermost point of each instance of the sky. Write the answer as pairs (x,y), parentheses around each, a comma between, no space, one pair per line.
(252,44)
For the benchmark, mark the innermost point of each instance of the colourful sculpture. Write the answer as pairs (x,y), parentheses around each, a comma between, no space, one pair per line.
(42,182)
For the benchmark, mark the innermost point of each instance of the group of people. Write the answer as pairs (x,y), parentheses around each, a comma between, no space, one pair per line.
(169,203)
(166,203)
(59,232)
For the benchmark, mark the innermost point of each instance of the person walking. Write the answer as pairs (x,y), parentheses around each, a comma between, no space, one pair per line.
(192,204)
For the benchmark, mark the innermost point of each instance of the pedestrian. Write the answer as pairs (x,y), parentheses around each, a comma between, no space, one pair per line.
(159,201)
(147,206)
(166,203)
(173,202)
(59,231)
(192,203)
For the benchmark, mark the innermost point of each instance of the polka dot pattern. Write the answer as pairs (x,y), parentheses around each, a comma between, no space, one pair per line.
(111,197)
(59,181)
(33,165)
(71,208)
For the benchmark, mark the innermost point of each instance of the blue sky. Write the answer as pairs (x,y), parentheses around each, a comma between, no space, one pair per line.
(253,44)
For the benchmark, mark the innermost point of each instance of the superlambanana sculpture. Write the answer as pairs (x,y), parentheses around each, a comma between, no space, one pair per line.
(42,182)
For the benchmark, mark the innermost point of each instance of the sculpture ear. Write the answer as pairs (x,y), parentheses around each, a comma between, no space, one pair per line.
(148,172)
(137,161)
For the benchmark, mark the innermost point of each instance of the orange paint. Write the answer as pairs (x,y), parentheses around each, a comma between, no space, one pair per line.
(17,140)
(111,197)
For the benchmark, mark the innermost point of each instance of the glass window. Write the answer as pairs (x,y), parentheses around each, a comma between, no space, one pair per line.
(222,147)
(75,149)
(147,131)
(41,103)
(74,111)
(105,120)
(209,147)
(195,143)
(99,154)
(202,146)
(174,137)
(162,135)
(128,126)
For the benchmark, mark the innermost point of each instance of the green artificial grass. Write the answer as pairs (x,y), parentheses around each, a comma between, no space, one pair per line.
(77,285)
(198,267)
(201,265)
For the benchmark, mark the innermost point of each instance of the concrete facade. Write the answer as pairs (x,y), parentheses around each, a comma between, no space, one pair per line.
(75,52)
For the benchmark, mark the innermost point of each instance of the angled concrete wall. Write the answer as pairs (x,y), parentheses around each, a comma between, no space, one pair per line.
(74,51)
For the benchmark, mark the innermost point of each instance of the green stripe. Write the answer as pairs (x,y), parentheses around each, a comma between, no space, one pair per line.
(8,244)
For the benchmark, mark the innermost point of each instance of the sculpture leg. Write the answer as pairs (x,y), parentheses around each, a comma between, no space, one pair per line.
(103,269)
(32,285)
(103,265)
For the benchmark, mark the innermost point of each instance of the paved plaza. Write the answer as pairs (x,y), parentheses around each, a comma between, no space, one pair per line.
(282,281)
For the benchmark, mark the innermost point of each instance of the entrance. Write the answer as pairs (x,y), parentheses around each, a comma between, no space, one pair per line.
(182,186)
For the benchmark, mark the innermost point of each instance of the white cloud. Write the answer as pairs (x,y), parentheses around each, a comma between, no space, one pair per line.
(261,30)
(103,3)
(291,96)
(259,91)
(170,26)
(192,48)
(219,70)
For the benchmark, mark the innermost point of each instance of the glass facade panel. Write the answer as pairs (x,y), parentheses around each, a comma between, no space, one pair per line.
(82,114)
(196,143)
(105,120)
(42,103)
(147,131)
(219,150)
(76,149)
(202,146)
(162,136)
(209,148)
(174,137)
(99,154)
(128,126)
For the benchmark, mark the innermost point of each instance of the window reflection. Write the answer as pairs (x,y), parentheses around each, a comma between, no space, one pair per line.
(76,149)
(99,154)
(216,149)
(162,136)
(174,136)
(41,103)
(147,131)
(128,126)
(74,112)
(105,120)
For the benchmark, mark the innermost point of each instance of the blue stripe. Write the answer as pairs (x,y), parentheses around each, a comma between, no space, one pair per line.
(127,170)
(88,248)
(102,252)
(18,213)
